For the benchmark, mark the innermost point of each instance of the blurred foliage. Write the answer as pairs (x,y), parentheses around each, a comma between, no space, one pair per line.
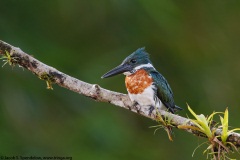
(194,44)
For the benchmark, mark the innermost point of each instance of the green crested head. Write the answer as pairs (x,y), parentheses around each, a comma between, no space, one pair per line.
(137,60)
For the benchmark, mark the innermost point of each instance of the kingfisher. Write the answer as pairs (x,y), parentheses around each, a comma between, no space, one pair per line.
(145,85)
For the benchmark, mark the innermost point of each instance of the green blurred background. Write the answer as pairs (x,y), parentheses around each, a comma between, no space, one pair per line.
(194,44)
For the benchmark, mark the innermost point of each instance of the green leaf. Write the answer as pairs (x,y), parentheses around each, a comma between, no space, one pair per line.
(224,122)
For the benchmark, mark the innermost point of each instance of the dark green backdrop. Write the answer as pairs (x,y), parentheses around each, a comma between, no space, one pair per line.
(194,44)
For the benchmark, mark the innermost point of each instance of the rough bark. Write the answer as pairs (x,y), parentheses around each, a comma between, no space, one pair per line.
(94,91)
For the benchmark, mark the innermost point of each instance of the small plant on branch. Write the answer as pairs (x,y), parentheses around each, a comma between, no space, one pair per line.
(165,124)
(49,80)
(7,58)
(217,145)
(225,134)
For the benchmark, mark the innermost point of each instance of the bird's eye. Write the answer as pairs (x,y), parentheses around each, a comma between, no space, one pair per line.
(133,60)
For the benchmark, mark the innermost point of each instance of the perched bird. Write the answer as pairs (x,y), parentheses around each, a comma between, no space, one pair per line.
(145,85)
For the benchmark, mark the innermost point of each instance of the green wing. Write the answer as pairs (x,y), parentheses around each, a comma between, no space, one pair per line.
(163,91)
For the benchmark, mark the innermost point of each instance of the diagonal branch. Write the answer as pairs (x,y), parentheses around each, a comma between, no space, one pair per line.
(94,91)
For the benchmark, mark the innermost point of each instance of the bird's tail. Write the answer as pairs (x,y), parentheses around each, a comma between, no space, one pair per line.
(177,108)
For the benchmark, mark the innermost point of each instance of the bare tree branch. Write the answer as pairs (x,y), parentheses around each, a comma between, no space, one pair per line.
(94,91)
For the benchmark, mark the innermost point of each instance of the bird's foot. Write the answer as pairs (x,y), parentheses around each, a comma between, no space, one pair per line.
(137,106)
(151,108)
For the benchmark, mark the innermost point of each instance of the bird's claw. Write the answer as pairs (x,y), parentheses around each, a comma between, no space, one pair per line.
(137,106)
(151,108)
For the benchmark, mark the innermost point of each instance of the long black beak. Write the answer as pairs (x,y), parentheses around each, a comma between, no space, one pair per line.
(118,70)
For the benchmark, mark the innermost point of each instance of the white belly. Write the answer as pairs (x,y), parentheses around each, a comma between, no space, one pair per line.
(146,99)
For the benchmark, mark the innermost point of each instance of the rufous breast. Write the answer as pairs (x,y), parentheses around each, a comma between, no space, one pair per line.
(137,82)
